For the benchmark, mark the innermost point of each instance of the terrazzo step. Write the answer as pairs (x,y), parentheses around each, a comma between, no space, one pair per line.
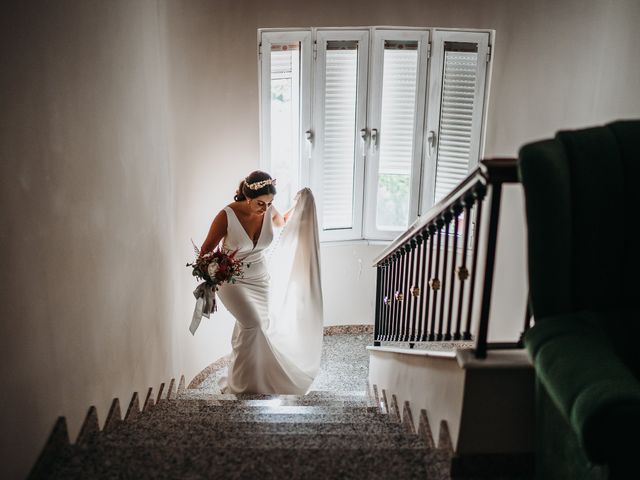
(223,405)
(142,437)
(197,406)
(290,403)
(309,397)
(278,400)
(334,393)
(269,406)
(173,423)
(247,417)
(202,460)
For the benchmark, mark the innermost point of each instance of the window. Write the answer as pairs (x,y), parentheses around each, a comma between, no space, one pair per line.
(380,122)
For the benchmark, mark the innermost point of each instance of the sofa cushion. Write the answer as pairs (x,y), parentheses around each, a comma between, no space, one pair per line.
(587,380)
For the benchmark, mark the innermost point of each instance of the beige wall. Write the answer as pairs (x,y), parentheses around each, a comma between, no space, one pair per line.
(124,128)
(87,215)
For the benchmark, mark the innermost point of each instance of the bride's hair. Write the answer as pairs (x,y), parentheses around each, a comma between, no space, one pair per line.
(252,179)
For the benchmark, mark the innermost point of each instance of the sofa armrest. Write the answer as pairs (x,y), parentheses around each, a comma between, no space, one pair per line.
(588,381)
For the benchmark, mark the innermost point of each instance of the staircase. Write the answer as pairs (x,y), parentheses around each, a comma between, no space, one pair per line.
(336,431)
(196,435)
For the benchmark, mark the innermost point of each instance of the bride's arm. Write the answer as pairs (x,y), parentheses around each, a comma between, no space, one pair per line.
(217,231)
(280,219)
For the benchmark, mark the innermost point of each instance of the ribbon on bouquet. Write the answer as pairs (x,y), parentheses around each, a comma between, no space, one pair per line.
(205,304)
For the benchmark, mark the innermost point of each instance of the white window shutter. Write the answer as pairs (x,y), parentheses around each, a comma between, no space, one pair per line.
(339,135)
(339,116)
(455,111)
(397,88)
(326,93)
(456,119)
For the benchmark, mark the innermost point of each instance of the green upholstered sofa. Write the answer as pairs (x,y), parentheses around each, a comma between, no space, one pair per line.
(582,197)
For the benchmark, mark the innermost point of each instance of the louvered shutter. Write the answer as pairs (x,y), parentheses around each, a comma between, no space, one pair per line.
(396,118)
(339,134)
(456,116)
(399,80)
(339,116)
(455,110)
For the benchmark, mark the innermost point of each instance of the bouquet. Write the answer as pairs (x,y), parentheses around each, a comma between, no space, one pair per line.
(212,269)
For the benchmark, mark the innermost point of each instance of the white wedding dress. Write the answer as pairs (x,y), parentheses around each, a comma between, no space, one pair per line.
(277,338)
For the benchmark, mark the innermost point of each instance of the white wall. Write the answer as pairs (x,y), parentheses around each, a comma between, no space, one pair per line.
(88,259)
(349,283)
(124,129)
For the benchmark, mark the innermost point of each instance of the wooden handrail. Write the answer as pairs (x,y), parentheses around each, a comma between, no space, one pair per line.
(489,171)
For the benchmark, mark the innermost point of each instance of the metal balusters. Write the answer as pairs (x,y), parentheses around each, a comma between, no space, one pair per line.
(479,193)
(392,295)
(443,275)
(492,239)
(408,268)
(424,295)
(401,296)
(430,336)
(396,293)
(390,287)
(422,241)
(463,272)
(456,212)
(385,299)
(376,328)
(413,286)
(388,299)
(435,282)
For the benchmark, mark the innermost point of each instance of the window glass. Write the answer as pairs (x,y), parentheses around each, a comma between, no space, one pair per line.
(399,79)
(285,120)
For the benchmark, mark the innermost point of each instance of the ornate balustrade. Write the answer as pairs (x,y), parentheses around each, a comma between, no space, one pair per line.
(434,281)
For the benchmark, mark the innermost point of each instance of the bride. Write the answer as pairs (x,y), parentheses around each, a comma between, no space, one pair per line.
(277,304)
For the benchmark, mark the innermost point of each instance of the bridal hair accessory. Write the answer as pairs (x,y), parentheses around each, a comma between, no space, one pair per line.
(260,184)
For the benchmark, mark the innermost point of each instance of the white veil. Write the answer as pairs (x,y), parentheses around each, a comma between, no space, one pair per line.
(296,316)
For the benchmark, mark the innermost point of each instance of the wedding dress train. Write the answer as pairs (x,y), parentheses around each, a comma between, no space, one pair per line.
(277,338)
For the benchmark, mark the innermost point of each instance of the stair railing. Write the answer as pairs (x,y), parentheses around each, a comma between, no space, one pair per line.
(429,286)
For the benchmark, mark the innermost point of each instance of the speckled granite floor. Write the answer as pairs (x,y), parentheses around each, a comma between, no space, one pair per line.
(344,366)
(200,435)
(345,363)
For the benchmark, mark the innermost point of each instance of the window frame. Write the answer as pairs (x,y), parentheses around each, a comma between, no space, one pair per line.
(434,90)
(375,112)
(361,35)
(267,37)
(424,161)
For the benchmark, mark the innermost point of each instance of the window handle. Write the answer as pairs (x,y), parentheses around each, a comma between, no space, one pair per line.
(431,138)
(309,136)
(374,137)
(363,136)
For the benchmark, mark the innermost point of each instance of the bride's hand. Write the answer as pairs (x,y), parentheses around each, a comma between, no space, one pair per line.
(298,195)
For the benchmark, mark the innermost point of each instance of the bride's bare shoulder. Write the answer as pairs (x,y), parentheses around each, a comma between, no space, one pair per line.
(235,206)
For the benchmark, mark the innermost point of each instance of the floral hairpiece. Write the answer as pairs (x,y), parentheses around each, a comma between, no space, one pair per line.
(261,184)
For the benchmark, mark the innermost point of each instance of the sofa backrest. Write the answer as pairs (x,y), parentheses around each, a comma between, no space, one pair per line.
(579,191)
